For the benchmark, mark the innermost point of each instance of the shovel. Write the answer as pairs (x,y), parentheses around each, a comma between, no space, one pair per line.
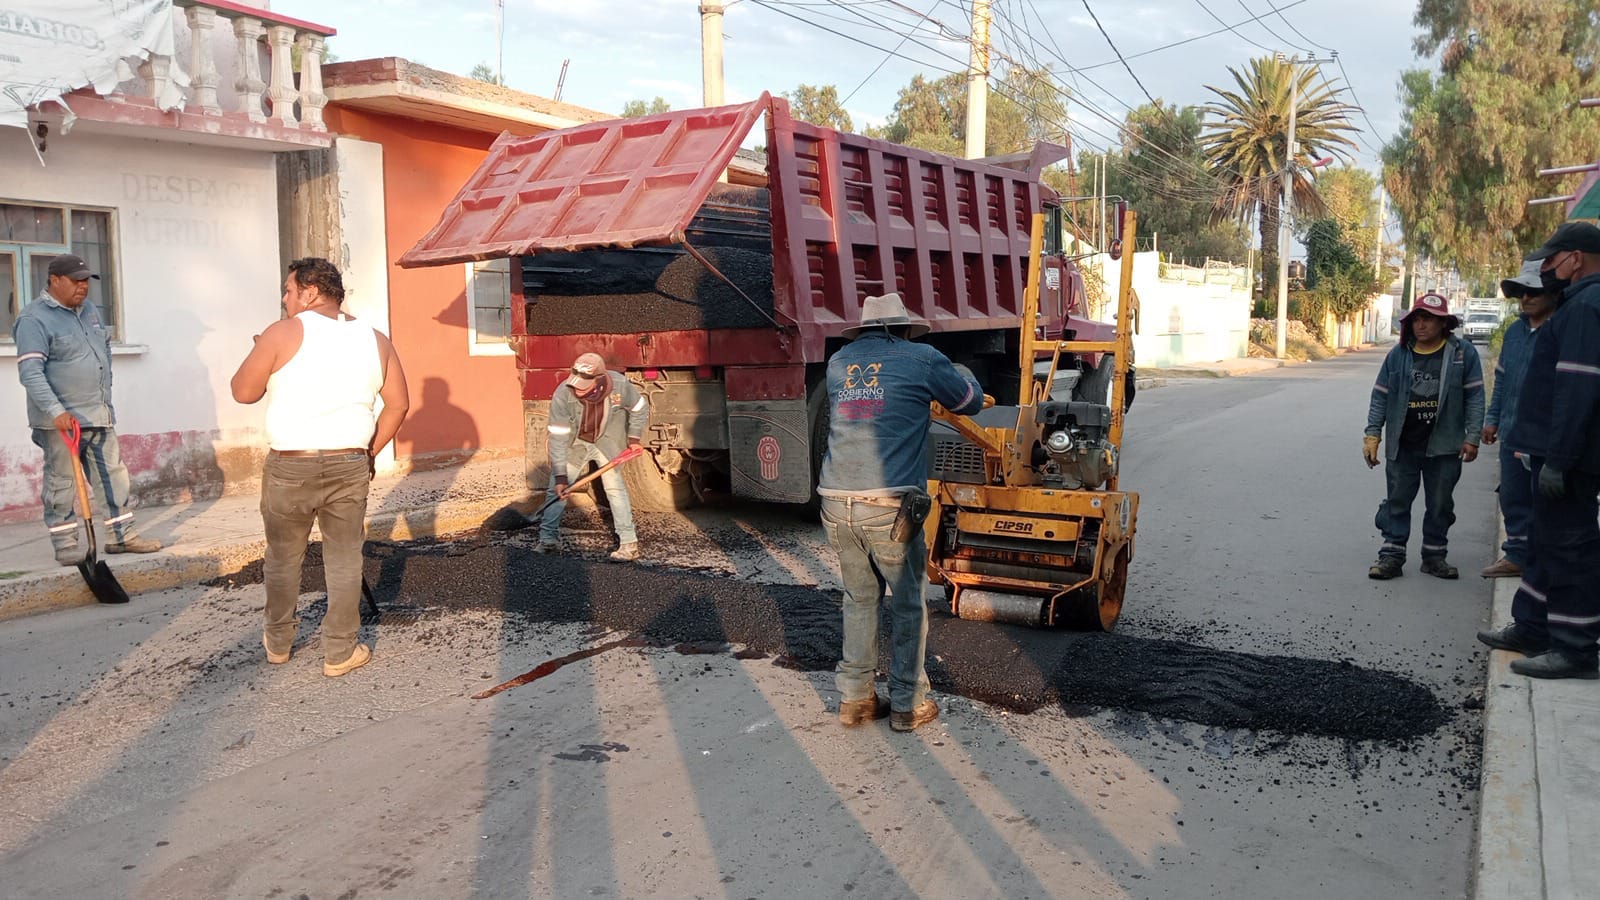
(96,573)
(619,459)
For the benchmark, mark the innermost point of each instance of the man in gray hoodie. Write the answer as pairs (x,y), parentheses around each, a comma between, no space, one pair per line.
(594,415)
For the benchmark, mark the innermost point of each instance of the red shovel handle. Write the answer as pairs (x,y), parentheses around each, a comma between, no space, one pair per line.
(73,437)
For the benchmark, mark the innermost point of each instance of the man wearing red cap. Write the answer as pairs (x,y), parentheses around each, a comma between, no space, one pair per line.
(1429,399)
(595,414)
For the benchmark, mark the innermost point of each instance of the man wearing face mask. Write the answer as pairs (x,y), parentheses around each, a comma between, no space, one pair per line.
(1429,398)
(1556,611)
(1516,488)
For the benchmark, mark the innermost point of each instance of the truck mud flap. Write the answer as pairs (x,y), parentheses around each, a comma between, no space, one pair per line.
(770,450)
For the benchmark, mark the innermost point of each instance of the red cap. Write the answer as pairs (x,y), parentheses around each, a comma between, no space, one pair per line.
(1434,305)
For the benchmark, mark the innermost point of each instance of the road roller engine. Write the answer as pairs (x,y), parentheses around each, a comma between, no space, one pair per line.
(1028,524)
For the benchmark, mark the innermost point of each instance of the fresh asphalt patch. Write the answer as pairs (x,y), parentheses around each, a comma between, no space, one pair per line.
(1017,668)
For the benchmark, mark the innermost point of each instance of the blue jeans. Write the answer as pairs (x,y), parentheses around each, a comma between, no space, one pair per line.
(108,484)
(1437,477)
(580,454)
(1559,596)
(869,562)
(1516,504)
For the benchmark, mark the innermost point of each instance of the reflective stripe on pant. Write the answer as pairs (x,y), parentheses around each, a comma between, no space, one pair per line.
(332,491)
(869,563)
(579,455)
(1437,477)
(108,484)
(1560,591)
(1516,504)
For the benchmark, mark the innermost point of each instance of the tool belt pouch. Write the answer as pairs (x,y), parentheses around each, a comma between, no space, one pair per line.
(914,508)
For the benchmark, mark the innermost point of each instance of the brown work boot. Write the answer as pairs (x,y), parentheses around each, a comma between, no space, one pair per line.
(358,658)
(69,556)
(925,712)
(276,659)
(860,712)
(134,545)
(1501,568)
(627,552)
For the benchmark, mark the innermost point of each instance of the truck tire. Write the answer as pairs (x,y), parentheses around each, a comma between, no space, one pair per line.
(817,416)
(1095,386)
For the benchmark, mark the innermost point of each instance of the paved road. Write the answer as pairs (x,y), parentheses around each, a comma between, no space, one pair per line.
(151,750)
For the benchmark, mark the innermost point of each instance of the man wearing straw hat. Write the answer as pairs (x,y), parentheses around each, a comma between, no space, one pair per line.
(880,387)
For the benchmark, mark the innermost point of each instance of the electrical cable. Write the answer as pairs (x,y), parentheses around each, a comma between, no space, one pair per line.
(1114,49)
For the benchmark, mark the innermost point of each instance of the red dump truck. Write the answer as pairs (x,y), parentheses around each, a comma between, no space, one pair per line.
(721,285)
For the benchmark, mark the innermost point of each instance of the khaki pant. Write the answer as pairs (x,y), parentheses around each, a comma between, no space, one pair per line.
(332,491)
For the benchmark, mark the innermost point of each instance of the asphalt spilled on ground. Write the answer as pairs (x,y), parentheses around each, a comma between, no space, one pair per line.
(1017,668)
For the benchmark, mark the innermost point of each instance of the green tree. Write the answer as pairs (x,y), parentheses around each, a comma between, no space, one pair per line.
(1339,279)
(633,109)
(1160,170)
(484,72)
(1245,135)
(1475,133)
(819,106)
(932,114)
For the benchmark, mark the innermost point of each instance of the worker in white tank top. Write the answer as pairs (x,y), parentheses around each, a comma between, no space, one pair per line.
(322,372)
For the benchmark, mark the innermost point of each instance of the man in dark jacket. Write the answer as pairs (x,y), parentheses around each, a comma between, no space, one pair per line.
(1429,399)
(880,386)
(1516,487)
(1556,611)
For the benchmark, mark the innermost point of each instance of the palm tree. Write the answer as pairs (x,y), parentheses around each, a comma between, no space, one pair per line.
(1244,138)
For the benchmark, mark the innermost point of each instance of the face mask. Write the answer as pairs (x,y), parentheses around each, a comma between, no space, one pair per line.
(1553,283)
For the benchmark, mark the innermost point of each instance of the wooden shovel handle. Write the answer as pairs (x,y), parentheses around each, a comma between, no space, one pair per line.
(73,438)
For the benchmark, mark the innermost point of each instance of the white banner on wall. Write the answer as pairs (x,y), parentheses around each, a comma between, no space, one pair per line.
(51,47)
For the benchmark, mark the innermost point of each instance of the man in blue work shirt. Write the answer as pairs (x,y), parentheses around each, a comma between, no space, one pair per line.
(1429,398)
(64,362)
(1516,487)
(1556,611)
(880,386)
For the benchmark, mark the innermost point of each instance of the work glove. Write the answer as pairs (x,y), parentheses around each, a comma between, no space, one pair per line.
(1552,482)
(1369,450)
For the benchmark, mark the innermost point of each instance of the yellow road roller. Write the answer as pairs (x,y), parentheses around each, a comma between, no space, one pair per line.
(1028,524)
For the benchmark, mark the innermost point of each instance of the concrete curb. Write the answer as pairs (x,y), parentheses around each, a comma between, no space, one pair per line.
(182,565)
(1510,861)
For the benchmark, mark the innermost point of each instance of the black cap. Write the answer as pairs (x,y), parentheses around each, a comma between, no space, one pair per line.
(72,267)
(1579,236)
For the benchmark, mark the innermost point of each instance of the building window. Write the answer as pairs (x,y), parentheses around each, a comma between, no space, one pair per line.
(30,235)
(489,307)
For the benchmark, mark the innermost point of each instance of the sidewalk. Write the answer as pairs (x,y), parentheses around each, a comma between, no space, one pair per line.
(1539,808)
(217,537)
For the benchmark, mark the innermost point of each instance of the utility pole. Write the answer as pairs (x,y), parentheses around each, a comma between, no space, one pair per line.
(1105,161)
(711,52)
(499,42)
(978,80)
(1287,204)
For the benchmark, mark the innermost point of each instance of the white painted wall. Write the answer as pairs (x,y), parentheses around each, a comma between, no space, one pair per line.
(197,271)
(364,259)
(1183,321)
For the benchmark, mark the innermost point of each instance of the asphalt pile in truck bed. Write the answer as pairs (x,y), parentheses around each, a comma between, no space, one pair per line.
(1018,668)
(616,291)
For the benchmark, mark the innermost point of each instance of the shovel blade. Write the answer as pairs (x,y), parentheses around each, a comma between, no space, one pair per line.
(102,583)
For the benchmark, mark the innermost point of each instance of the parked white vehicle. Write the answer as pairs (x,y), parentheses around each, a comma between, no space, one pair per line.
(1480,325)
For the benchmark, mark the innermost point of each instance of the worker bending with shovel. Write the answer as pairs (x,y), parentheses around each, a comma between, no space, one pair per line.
(595,415)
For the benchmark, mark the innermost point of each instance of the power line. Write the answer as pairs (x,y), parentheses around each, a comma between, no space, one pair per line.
(1262,21)
(1188,40)
(1114,49)
(1303,37)
(881,63)
(1241,35)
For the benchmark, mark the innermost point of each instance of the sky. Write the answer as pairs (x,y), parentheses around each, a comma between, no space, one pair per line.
(621,50)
